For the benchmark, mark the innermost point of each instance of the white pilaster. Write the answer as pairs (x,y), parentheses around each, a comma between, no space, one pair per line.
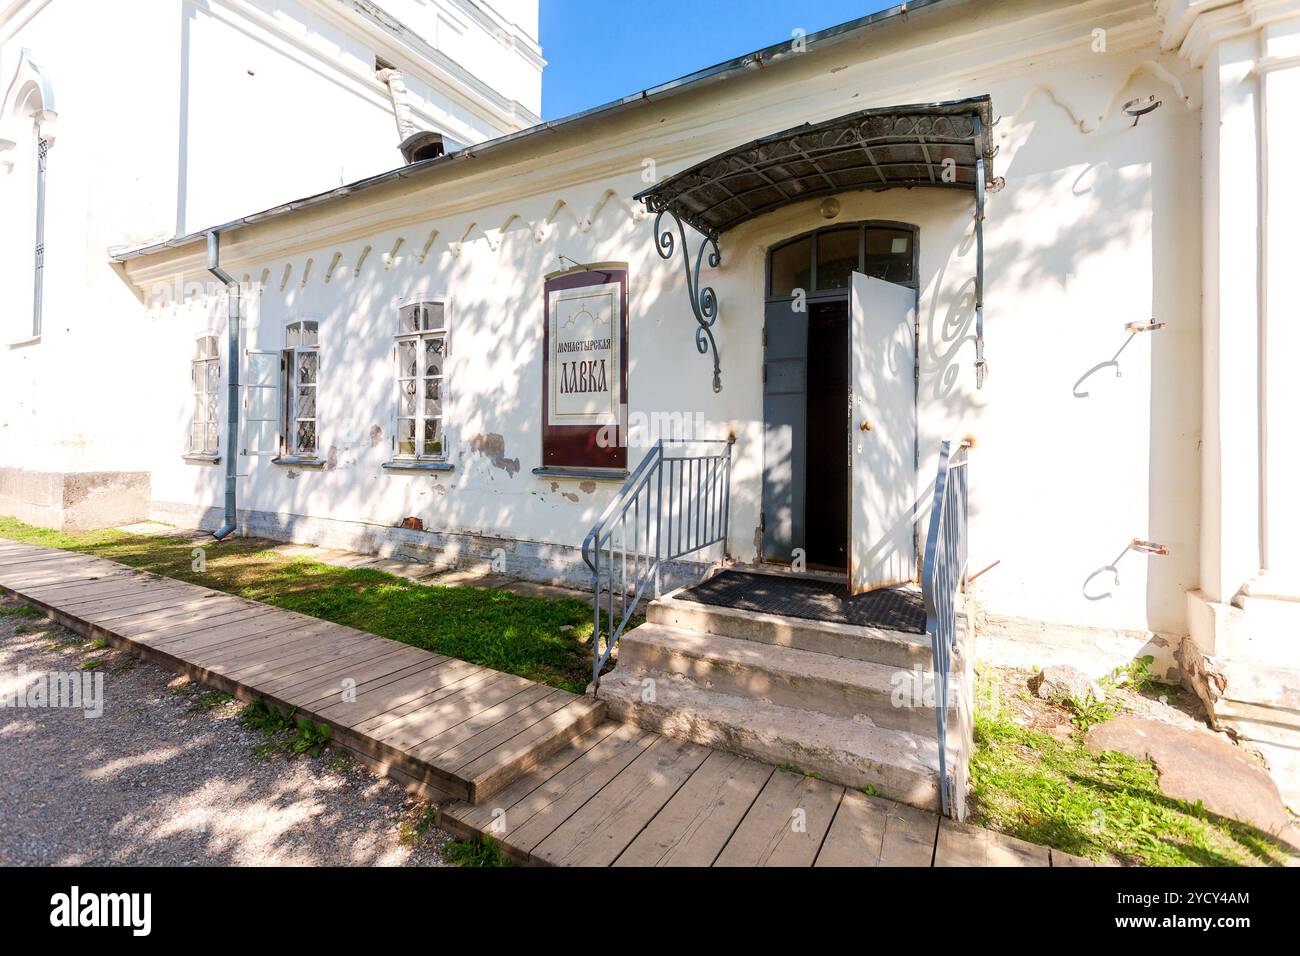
(1243,656)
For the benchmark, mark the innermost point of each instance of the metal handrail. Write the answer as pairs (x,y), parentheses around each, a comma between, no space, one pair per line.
(943,575)
(670,506)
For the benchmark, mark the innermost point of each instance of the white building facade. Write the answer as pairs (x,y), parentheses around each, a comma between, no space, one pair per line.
(1124,390)
(196,113)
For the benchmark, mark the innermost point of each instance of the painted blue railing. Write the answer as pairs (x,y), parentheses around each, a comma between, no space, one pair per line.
(943,576)
(674,504)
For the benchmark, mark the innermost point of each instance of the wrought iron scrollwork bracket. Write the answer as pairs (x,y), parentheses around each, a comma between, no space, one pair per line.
(704,302)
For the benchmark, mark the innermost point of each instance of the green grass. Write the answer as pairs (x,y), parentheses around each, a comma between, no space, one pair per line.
(1105,806)
(21,610)
(508,632)
(210,700)
(482,852)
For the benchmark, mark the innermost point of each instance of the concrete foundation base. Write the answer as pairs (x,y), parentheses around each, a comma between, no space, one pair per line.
(74,501)
(538,561)
(1022,643)
(1243,661)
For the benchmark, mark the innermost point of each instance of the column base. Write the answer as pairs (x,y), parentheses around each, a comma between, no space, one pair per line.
(1243,661)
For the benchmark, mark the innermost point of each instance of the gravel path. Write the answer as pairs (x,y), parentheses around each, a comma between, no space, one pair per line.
(167,775)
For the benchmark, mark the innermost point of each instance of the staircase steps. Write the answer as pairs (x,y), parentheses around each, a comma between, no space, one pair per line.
(871,693)
(848,641)
(890,763)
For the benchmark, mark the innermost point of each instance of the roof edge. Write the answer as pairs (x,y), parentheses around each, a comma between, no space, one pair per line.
(719,72)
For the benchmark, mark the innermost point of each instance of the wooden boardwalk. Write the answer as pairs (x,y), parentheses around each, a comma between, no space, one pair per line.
(445,727)
(539,769)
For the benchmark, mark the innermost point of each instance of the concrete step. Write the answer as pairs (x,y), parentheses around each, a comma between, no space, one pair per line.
(849,641)
(898,698)
(895,764)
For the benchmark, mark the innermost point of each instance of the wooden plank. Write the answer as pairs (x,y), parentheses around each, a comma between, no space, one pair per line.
(17,567)
(245,635)
(786,824)
(522,752)
(49,572)
(326,678)
(158,602)
(1006,850)
(290,663)
(432,749)
(163,628)
(103,606)
(697,822)
(409,731)
(276,653)
(370,669)
(963,845)
(491,738)
(959,846)
(330,672)
(186,627)
(857,834)
(191,644)
(146,622)
(602,827)
(374,677)
(400,692)
(16,561)
(909,834)
(444,685)
(79,591)
(484,817)
(534,818)
(306,647)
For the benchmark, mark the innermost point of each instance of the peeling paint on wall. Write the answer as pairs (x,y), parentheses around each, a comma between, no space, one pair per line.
(376,435)
(587,487)
(492,446)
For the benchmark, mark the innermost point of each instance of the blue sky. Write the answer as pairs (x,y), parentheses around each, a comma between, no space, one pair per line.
(600,50)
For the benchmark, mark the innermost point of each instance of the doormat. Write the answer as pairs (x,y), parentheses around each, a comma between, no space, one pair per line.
(898,608)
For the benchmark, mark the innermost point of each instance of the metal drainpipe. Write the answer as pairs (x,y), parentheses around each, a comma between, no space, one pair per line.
(232,375)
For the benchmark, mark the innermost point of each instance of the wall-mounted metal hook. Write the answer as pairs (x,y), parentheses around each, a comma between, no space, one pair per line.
(1152,326)
(1141,106)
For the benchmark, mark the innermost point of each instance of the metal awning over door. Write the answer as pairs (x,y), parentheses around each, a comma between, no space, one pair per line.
(943,145)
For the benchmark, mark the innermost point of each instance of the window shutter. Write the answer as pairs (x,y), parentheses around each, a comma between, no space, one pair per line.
(262,403)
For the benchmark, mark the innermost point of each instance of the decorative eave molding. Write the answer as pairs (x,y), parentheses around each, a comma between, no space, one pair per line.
(1195,27)
(569,160)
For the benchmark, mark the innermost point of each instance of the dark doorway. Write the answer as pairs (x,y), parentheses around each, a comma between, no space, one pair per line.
(806,475)
(827,518)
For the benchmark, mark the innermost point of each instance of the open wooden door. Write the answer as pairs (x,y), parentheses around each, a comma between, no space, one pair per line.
(882,434)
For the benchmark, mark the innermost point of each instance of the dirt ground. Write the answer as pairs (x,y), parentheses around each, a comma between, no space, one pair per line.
(168,775)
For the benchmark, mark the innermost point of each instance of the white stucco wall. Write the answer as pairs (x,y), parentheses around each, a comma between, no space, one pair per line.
(174,115)
(1085,435)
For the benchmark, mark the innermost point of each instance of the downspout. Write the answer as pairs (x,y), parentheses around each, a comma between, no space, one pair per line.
(232,376)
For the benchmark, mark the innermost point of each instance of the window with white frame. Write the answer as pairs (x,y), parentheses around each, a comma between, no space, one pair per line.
(299,369)
(205,379)
(421,380)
